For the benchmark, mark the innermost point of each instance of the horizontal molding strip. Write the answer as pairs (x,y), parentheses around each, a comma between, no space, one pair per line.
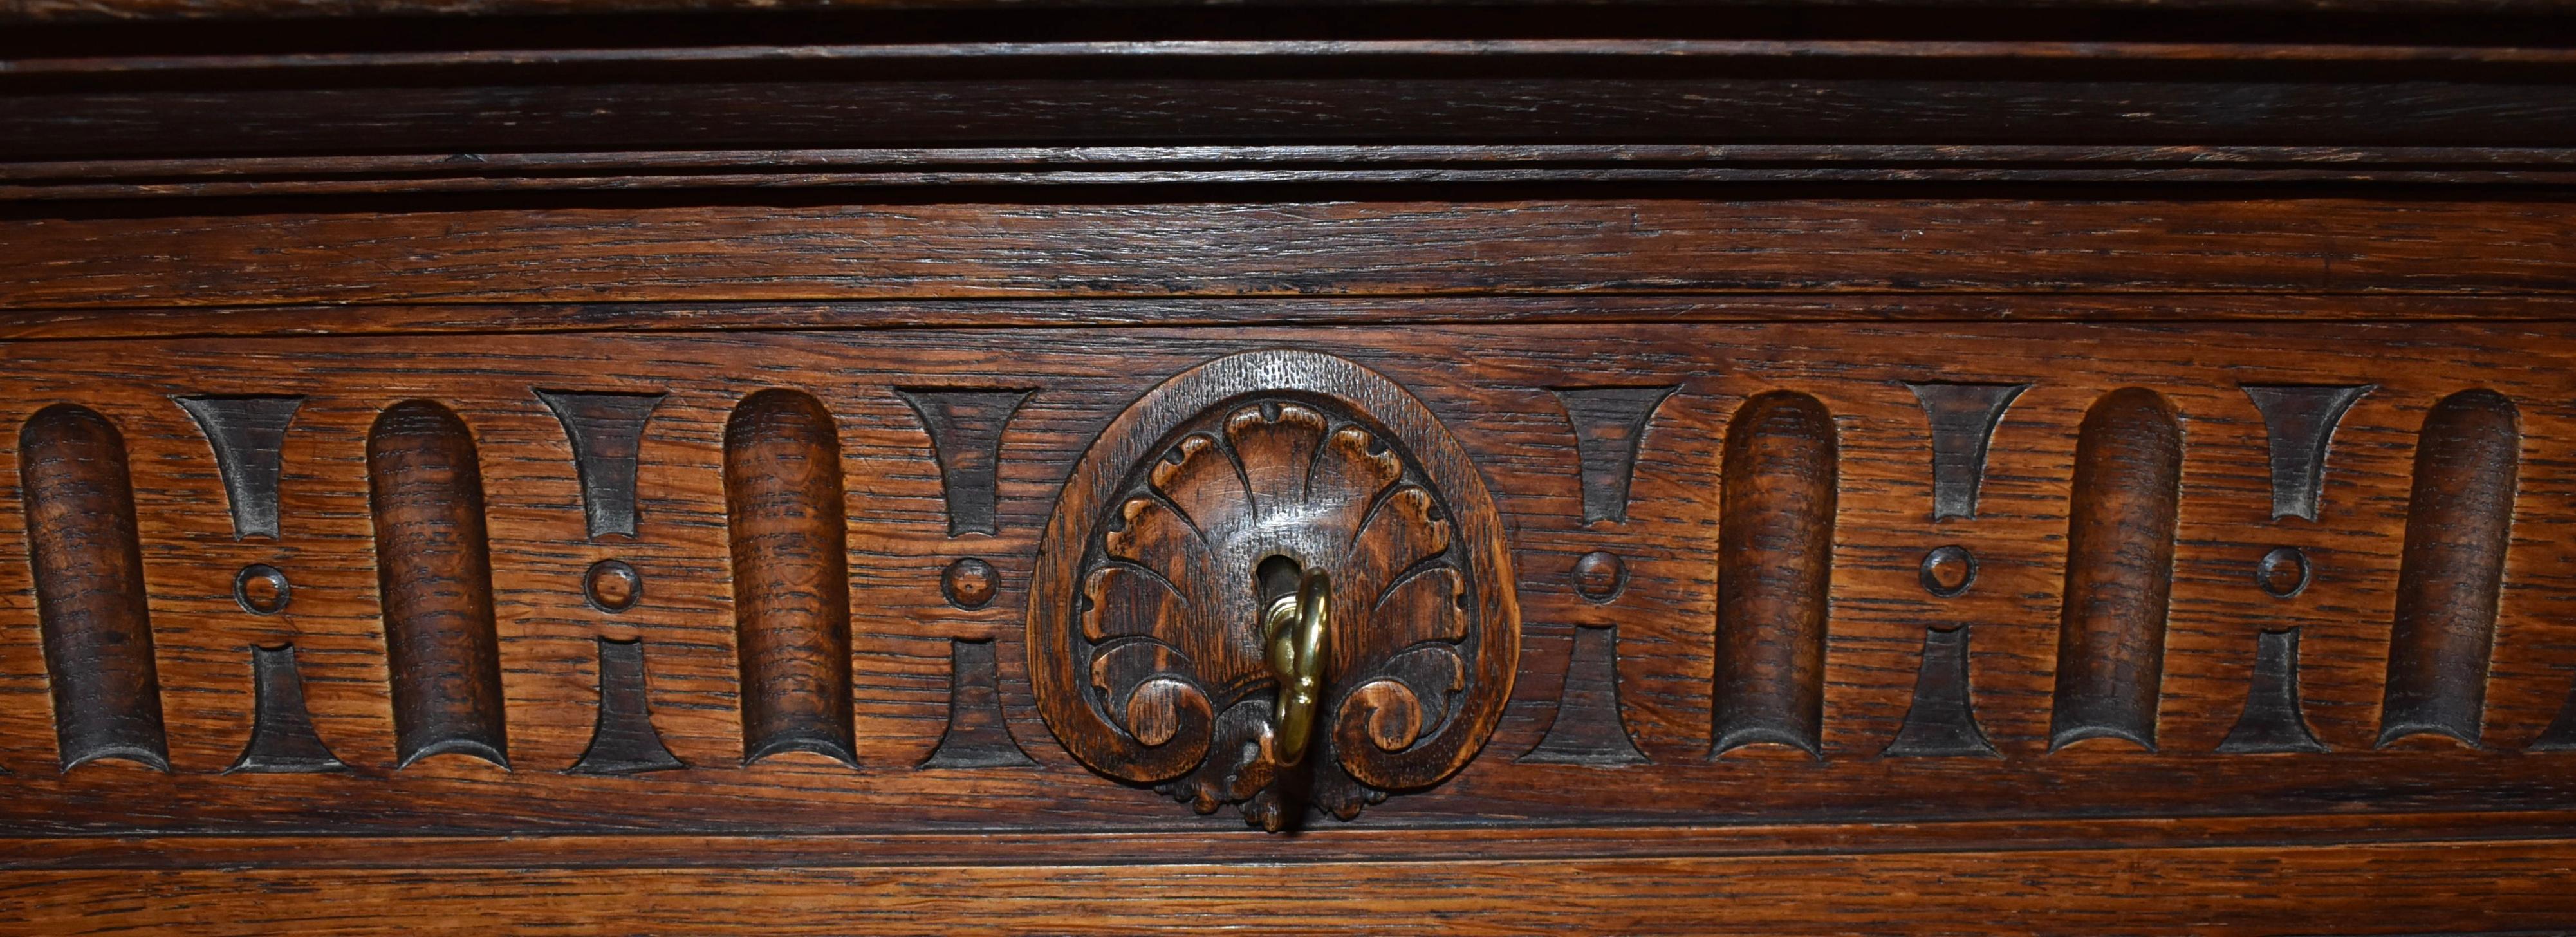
(321,321)
(1613,95)
(2492,888)
(1317,48)
(92,11)
(1160,251)
(1326,844)
(1271,165)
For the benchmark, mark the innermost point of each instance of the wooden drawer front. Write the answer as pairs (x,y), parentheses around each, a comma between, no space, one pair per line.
(1691,512)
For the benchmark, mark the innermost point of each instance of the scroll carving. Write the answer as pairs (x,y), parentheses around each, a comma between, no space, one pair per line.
(1143,634)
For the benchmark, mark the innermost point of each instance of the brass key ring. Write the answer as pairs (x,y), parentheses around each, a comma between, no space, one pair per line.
(1294,630)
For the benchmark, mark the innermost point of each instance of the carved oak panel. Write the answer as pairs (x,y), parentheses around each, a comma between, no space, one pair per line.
(1796,612)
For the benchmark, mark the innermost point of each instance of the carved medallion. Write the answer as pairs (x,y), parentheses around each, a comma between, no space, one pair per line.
(1199,524)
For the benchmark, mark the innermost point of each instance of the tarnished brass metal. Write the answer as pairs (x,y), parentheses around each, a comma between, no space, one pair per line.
(1294,631)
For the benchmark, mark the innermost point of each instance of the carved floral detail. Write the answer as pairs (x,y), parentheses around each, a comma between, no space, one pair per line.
(1219,492)
(1170,603)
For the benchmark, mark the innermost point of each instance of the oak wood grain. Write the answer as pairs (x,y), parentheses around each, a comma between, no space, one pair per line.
(1168,250)
(2123,501)
(2391,91)
(434,581)
(539,318)
(1506,419)
(2454,887)
(87,565)
(1072,168)
(730,424)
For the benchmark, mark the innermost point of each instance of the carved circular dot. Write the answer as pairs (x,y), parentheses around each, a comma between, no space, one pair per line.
(969,583)
(1154,711)
(2283,573)
(612,586)
(1949,570)
(262,589)
(1599,576)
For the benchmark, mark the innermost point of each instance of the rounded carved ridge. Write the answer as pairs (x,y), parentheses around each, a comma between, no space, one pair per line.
(2119,570)
(434,572)
(1775,572)
(784,523)
(1143,640)
(91,608)
(2459,523)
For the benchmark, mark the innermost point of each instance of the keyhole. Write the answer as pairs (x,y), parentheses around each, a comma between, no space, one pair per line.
(1276,578)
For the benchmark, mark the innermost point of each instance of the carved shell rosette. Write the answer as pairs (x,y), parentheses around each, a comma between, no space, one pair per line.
(1162,677)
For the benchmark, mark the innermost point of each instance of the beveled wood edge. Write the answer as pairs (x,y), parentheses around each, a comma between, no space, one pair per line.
(1228,841)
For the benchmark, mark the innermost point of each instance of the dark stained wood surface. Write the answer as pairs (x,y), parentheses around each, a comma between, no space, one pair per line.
(281,735)
(1077,167)
(2458,528)
(701,255)
(84,559)
(1350,96)
(483,319)
(1232,842)
(2503,887)
(183,10)
(1289,93)
(2122,506)
(434,581)
(1781,476)
(908,676)
(1507,420)
(1824,468)
(790,553)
